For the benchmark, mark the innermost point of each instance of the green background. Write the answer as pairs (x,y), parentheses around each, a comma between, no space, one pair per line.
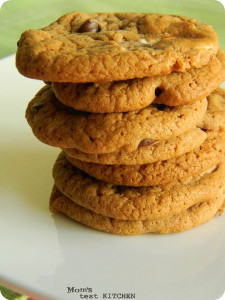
(18,15)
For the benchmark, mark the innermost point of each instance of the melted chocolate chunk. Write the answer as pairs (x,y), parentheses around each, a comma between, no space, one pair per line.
(89,26)
(146,142)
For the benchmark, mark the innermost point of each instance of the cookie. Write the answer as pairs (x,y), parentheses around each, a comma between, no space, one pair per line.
(194,216)
(215,116)
(121,96)
(127,203)
(210,153)
(149,151)
(81,47)
(57,125)
(213,122)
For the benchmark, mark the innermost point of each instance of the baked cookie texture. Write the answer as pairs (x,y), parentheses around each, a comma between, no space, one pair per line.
(194,216)
(149,151)
(214,119)
(134,103)
(210,153)
(82,47)
(129,203)
(56,125)
(128,95)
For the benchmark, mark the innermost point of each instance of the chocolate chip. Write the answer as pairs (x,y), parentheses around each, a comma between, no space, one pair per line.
(146,142)
(89,26)
(158,91)
(37,106)
(159,106)
(18,43)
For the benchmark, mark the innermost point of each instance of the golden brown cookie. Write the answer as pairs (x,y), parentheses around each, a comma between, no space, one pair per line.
(82,47)
(209,154)
(121,96)
(149,151)
(152,151)
(57,125)
(194,216)
(127,203)
(215,116)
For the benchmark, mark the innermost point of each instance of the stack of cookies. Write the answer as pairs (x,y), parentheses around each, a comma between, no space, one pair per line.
(133,100)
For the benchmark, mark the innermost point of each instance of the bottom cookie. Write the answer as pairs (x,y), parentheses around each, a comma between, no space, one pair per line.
(196,215)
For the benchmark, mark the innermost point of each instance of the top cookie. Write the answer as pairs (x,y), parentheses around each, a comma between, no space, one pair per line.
(82,47)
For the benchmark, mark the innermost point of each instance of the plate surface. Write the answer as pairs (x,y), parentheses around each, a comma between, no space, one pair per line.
(56,258)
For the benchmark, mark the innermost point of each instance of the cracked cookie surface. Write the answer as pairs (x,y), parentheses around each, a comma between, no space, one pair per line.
(81,47)
(213,122)
(194,216)
(214,119)
(150,152)
(128,203)
(57,125)
(210,153)
(121,96)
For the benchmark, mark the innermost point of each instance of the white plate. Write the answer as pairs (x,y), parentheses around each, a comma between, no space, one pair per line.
(43,255)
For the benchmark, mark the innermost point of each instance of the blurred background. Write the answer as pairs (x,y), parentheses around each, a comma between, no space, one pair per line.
(18,15)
